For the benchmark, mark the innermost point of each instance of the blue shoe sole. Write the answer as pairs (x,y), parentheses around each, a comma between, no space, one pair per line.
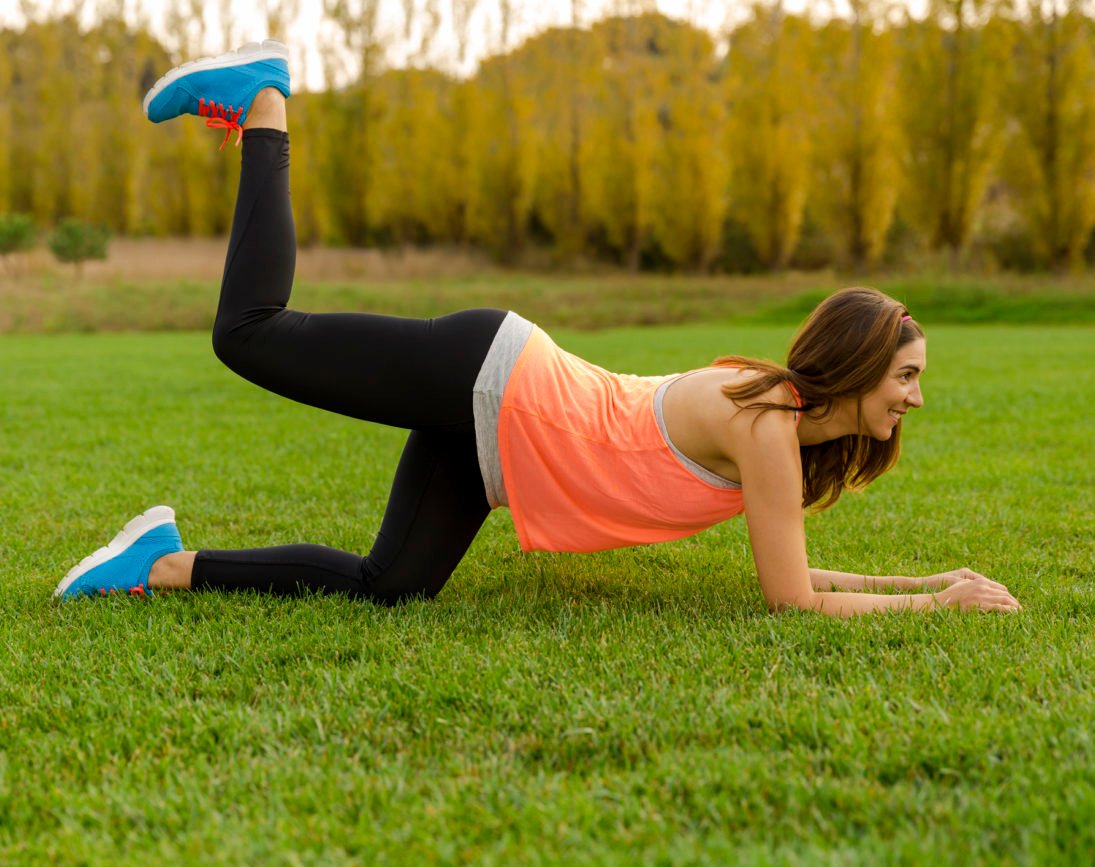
(155,517)
(252,52)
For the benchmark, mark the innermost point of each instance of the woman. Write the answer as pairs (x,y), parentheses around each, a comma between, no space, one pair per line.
(585,459)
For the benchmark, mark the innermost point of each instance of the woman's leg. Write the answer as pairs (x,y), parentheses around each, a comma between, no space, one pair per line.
(437,505)
(410,373)
(404,372)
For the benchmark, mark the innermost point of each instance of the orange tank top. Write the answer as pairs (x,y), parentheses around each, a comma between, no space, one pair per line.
(586,465)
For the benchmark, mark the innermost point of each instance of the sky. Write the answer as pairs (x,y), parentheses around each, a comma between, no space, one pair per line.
(248,22)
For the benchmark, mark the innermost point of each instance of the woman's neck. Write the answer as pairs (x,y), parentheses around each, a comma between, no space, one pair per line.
(817,427)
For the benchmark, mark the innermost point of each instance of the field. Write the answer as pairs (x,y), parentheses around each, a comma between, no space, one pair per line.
(171,285)
(626,707)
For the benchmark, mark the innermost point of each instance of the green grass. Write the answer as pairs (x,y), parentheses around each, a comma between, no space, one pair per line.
(617,708)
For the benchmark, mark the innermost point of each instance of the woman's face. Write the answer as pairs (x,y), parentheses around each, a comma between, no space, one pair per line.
(883,407)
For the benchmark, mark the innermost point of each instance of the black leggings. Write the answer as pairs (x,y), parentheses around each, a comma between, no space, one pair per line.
(409,373)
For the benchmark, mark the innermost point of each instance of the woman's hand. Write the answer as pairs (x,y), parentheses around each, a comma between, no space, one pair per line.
(946,579)
(979,592)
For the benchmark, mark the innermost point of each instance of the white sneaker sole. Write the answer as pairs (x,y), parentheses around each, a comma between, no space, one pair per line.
(269,49)
(157,516)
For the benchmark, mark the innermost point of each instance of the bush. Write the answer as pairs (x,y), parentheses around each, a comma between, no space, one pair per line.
(1013,250)
(77,241)
(738,255)
(16,234)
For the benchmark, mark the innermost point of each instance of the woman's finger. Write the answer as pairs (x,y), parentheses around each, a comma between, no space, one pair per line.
(989,582)
(1008,602)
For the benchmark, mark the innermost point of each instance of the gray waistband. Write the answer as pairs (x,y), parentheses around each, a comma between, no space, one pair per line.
(697,470)
(487,401)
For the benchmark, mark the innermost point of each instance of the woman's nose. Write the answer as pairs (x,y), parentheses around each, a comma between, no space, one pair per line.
(915,396)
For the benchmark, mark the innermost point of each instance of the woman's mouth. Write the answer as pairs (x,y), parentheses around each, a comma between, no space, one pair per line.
(895,415)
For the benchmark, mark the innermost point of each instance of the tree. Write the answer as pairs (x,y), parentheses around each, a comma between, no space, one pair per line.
(312,152)
(769,95)
(1051,87)
(76,241)
(50,98)
(556,70)
(6,71)
(120,149)
(351,171)
(417,195)
(691,169)
(855,134)
(952,124)
(17,234)
(498,156)
(625,135)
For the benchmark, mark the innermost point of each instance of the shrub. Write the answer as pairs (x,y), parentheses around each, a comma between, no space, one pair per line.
(16,235)
(77,241)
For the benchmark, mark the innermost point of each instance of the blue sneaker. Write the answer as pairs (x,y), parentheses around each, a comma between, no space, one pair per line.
(220,88)
(124,564)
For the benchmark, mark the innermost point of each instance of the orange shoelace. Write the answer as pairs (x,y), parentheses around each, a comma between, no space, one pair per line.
(218,117)
(132,591)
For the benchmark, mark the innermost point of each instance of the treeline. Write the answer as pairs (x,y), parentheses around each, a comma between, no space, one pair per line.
(851,142)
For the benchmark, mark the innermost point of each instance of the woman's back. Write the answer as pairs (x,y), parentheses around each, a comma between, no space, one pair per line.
(587,463)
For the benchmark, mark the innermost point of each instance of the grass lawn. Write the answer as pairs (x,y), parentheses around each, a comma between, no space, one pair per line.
(638,705)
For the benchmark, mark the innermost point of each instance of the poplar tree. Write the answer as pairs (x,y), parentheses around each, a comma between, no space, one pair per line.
(856,141)
(625,135)
(1051,87)
(351,173)
(314,207)
(418,191)
(499,160)
(556,69)
(950,72)
(5,121)
(691,169)
(769,91)
(55,162)
(118,163)
(185,166)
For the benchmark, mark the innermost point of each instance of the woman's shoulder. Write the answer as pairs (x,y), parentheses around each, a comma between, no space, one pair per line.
(731,379)
(717,432)
(703,399)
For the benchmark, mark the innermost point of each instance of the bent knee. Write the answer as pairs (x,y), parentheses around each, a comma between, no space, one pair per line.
(253,339)
(391,597)
(231,345)
(225,337)
(390,587)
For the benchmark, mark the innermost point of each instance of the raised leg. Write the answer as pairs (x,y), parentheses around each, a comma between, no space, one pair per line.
(410,373)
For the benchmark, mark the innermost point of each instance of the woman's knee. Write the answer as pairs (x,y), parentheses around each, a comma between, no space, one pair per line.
(225,344)
(390,599)
(396,585)
(236,342)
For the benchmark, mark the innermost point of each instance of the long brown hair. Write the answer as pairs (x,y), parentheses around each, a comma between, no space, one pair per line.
(843,350)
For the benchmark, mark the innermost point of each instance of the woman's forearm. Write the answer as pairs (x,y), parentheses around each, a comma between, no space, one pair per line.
(838,604)
(824,579)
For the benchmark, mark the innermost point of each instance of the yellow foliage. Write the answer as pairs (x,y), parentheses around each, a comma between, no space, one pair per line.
(770,97)
(856,139)
(633,139)
(500,163)
(625,134)
(952,117)
(417,192)
(1052,81)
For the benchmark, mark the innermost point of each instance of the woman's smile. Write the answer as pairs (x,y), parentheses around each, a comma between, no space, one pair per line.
(882,408)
